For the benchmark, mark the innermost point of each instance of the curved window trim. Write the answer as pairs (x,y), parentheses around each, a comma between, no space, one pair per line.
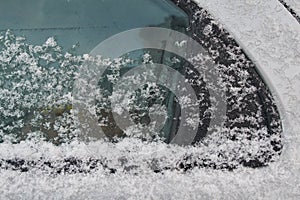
(272,115)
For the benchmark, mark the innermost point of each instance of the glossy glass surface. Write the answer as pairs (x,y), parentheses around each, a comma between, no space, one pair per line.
(85,23)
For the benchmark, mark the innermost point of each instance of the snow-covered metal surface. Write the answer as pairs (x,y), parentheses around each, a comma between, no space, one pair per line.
(270,37)
(294,4)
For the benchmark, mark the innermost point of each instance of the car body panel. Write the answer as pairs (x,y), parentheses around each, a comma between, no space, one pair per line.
(294,4)
(273,44)
(259,27)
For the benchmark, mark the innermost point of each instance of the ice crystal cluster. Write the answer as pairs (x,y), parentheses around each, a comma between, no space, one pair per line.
(36,105)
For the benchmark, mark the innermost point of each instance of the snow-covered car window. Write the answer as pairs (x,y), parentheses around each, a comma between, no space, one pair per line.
(72,28)
(45,46)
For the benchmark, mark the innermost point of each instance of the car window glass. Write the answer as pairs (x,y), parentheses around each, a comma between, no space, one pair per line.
(85,23)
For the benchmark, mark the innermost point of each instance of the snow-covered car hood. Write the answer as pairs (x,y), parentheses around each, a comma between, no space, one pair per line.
(270,36)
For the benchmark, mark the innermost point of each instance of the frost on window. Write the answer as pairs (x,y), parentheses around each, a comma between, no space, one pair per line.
(36,86)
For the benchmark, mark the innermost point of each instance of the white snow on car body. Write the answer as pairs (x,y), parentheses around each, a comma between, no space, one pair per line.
(270,37)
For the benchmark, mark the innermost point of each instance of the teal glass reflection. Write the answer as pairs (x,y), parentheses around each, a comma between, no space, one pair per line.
(78,26)
(85,23)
